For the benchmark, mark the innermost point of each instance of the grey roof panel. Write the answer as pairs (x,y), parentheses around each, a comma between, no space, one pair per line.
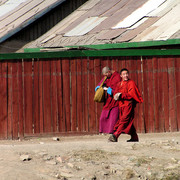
(110,34)
(23,15)
(163,22)
(130,34)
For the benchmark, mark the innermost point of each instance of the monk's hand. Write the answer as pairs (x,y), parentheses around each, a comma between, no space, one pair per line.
(117,96)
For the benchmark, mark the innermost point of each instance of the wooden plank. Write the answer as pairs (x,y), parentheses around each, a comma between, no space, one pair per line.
(115,64)
(79,95)
(9,100)
(131,66)
(140,107)
(150,95)
(3,97)
(98,77)
(54,103)
(85,71)
(28,119)
(47,96)
(40,93)
(59,96)
(177,80)
(145,85)
(73,95)
(15,109)
(20,100)
(163,94)
(156,92)
(66,94)
(92,113)
(36,98)
(172,99)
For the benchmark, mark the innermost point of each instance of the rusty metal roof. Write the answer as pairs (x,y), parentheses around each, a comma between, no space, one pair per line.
(17,14)
(105,21)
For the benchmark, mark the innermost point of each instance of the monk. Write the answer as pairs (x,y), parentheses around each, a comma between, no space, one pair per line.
(110,113)
(127,94)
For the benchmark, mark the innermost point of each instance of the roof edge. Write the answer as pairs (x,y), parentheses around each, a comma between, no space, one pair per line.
(91,53)
(123,45)
(133,44)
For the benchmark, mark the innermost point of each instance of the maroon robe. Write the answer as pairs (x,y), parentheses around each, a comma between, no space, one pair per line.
(130,95)
(110,112)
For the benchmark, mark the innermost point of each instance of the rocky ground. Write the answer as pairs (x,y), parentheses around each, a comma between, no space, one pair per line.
(156,156)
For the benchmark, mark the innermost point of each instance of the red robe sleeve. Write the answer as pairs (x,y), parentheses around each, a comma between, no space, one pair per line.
(133,93)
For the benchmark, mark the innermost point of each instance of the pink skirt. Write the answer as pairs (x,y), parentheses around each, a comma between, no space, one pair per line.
(108,120)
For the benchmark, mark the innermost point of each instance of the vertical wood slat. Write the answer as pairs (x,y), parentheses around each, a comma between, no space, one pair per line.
(146,91)
(40,93)
(36,98)
(20,100)
(54,103)
(79,95)
(156,92)
(177,96)
(59,96)
(85,95)
(15,108)
(98,106)
(28,126)
(3,104)
(150,95)
(66,94)
(9,100)
(92,115)
(47,96)
(140,113)
(172,93)
(73,96)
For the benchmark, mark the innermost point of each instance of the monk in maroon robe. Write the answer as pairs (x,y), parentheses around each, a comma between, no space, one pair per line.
(127,94)
(110,112)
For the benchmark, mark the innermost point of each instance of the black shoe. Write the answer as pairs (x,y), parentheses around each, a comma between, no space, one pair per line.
(133,140)
(112,138)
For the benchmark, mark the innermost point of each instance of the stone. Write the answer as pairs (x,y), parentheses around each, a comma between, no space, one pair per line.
(70,165)
(59,159)
(47,158)
(51,162)
(67,175)
(25,157)
(171,166)
(56,139)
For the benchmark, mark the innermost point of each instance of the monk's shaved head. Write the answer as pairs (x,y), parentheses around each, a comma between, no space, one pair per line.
(105,70)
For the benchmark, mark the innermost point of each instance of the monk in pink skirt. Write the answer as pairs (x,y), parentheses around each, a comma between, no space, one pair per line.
(110,111)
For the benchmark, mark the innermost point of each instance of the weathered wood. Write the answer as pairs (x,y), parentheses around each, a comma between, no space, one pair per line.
(73,96)
(56,95)
(3,104)
(54,103)
(47,96)
(28,119)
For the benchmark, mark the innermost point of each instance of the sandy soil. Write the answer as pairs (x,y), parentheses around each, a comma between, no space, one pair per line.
(156,156)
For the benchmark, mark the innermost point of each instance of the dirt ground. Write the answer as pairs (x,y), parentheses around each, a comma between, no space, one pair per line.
(156,156)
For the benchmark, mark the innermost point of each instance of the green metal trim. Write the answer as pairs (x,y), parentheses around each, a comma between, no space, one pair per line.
(91,53)
(120,45)
(32,49)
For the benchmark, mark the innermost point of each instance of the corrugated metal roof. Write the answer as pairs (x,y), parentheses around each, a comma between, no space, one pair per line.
(138,14)
(84,27)
(9,5)
(17,14)
(104,21)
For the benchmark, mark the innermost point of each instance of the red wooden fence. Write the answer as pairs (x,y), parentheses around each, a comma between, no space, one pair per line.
(47,96)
